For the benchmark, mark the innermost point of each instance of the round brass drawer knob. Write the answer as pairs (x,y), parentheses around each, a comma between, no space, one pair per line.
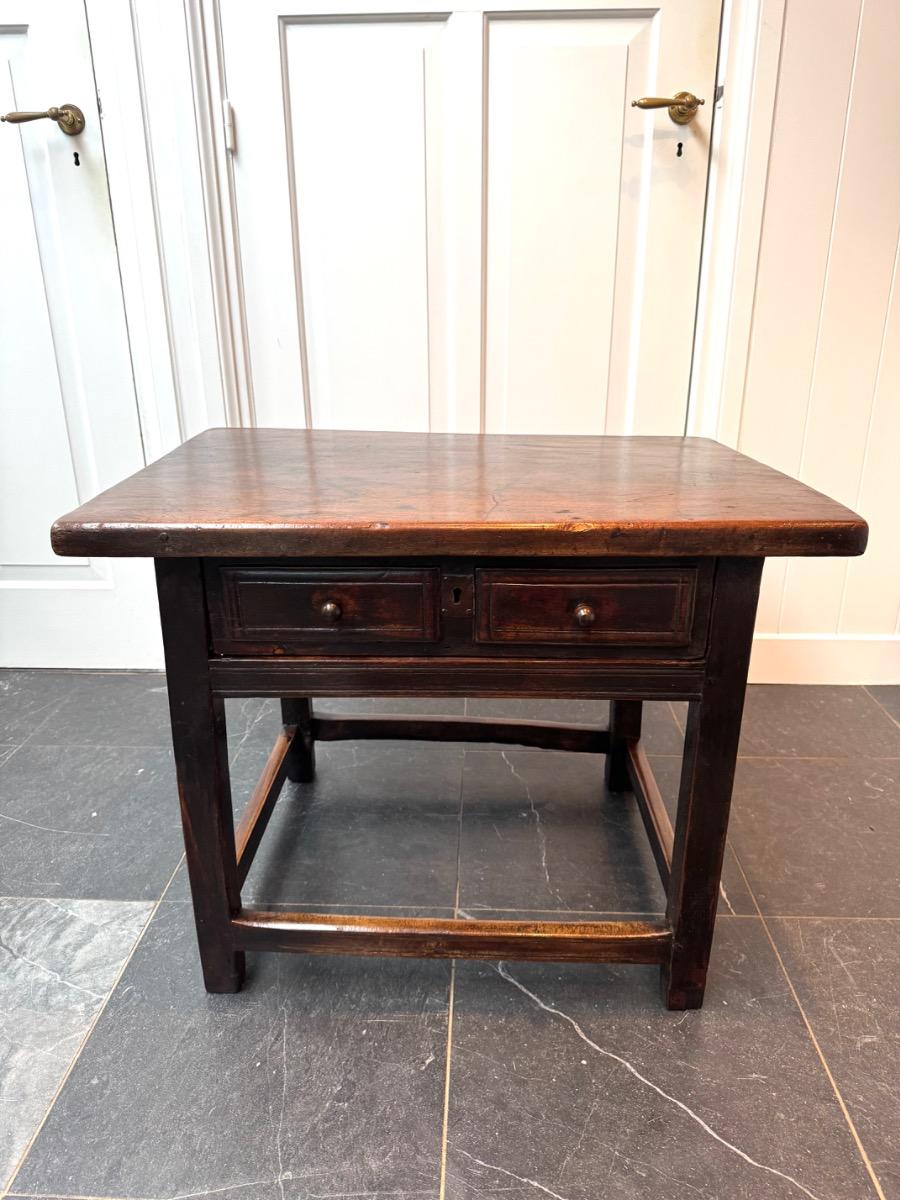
(331,611)
(585,616)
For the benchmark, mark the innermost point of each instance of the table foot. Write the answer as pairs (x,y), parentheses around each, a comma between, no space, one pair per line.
(680,994)
(223,973)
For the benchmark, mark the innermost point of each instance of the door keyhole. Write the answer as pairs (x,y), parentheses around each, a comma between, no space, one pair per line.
(77,159)
(456,594)
(679,149)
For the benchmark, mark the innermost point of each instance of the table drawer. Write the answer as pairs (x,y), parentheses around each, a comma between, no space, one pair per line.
(274,609)
(614,606)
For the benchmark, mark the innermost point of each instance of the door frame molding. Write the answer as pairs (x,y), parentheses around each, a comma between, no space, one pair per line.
(222,227)
(145,69)
(749,61)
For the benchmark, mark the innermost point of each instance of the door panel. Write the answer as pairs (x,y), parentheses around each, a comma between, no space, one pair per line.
(68,417)
(486,235)
(556,94)
(360,211)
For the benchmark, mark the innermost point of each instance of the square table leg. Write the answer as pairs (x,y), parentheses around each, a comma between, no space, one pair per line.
(624,727)
(201,762)
(301,759)
(707,775)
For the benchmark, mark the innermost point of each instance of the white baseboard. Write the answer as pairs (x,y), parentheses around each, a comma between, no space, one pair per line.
(824,658)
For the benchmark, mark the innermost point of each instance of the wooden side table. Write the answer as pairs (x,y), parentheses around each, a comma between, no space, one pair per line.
(297,563)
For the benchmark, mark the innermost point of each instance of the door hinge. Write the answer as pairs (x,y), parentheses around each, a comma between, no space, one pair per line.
(228,126)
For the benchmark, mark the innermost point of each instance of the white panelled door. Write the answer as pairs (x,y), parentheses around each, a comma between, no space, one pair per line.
(456,220)
(68,419)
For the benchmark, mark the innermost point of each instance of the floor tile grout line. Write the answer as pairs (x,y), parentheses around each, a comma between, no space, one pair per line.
(890,716)
(442,1185)
(20,1162)
(60,1196)
(676,720)
(26,740)
(448,1054)
(854,1133)
(775,758)
(759,914)
(64,745)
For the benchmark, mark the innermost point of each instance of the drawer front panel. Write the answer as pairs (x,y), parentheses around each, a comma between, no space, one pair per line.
(287,607)
(614,607)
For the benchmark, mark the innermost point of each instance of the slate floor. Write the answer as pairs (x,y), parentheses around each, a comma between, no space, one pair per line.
(371,1078)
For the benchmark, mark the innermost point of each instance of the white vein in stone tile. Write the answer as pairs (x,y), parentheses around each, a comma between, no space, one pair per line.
(51,829)
(538,826)
(55,975)
(228,1187)
(262,712)
(512,1175)
(689,1112)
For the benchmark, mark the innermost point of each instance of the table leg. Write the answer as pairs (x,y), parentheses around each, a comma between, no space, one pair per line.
(301,760)
(201,762)
(707,776)
(624,727)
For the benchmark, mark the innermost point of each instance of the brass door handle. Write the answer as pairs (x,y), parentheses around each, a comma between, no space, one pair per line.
(682,106)
(68,117)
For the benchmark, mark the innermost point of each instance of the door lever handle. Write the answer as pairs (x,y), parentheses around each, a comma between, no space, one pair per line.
(68,117)
(682,106)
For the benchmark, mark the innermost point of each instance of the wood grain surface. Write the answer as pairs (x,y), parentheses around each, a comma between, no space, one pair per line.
(293,492)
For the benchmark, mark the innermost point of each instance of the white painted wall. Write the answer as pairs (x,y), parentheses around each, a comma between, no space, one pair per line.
(811,382)
(798,346)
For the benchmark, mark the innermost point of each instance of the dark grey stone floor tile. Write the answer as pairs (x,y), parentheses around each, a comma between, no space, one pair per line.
(847,974)
(106,708)
(113,708)
(888,696)
(7,751)
(680,713)
(412,705)
(323,1077)
(539,832)
(380,910)
(819,837)
(734,895)
(268,1190)
(800,721)
(58,961)
(660,733)
(555,915)
(573,1082)
(28,699)
(92,822)
(378,826)
(254,722)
